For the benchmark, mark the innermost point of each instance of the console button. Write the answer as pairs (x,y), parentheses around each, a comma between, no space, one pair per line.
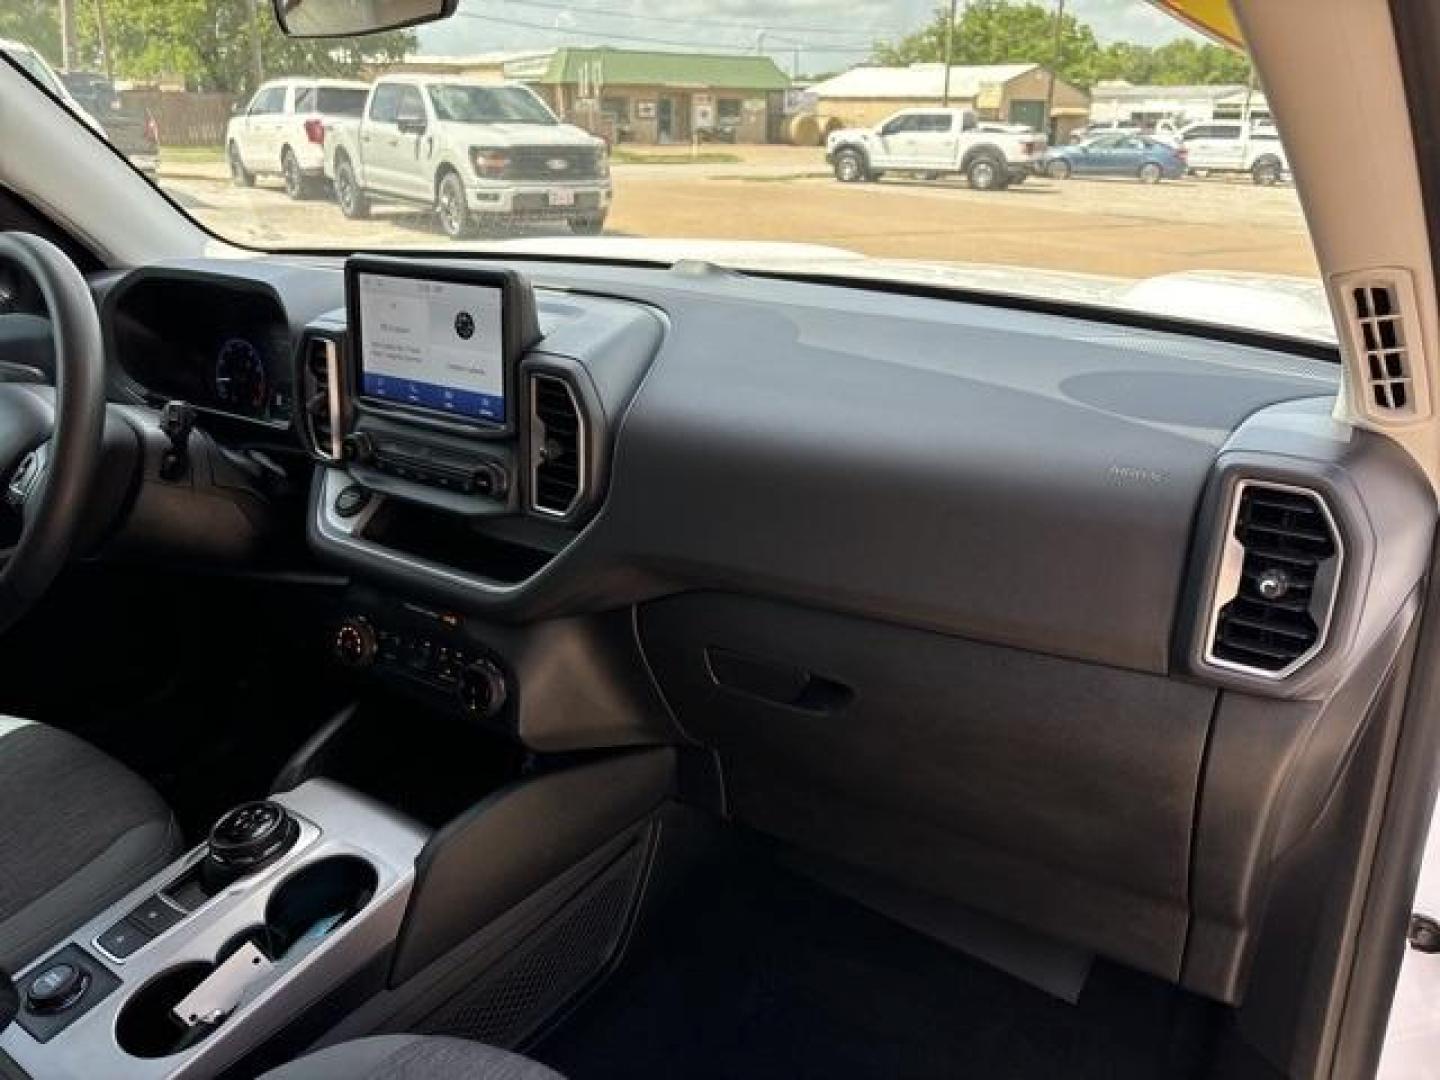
(123,939)
(352,500)
(156,916)
(57,987)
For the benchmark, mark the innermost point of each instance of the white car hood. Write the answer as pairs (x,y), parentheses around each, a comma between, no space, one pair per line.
(502,135)
(1269,303)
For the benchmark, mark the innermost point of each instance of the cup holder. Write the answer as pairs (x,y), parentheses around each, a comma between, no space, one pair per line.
(147,1029)
(305,909)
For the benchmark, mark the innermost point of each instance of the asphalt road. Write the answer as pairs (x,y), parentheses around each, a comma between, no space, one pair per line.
(1115,227)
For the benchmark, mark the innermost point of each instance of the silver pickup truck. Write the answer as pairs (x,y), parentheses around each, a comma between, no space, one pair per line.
(477,152)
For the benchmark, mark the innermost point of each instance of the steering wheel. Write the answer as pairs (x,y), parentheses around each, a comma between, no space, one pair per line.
(50,442)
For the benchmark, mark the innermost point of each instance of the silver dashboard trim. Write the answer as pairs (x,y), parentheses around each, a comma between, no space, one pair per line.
(1227,583)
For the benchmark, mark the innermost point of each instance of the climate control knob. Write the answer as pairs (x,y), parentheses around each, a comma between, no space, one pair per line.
(483,690)
(354,644)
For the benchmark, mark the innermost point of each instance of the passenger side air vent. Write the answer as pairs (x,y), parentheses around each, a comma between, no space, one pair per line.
(1277,581)
(1382,326)
(557,447)
(320,375)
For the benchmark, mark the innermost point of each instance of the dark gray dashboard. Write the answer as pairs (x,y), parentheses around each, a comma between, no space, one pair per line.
(935,583)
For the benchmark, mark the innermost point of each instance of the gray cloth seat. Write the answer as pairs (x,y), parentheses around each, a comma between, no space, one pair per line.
(412,1057)
(78,831)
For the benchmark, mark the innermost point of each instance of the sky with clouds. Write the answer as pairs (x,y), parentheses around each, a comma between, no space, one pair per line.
(828,34)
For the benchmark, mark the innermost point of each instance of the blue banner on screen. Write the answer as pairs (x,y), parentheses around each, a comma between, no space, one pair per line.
(435,345)
(467,403)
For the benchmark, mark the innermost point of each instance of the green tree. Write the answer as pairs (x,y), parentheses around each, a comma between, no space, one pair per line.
(211,44)
(1000,32)
(34,22)
(1004,31)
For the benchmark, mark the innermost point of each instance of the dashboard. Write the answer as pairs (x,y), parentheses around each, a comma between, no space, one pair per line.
(879,554)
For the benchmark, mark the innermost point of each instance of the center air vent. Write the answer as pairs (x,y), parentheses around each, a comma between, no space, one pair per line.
(321,395)
(1277,580)
(557,447)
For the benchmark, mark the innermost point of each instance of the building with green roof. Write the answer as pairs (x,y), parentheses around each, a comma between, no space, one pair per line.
(660,97)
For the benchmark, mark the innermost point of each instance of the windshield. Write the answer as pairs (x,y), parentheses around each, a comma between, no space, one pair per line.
(812,137)
(489,105)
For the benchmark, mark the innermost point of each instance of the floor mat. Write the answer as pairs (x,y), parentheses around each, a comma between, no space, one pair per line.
(742,969)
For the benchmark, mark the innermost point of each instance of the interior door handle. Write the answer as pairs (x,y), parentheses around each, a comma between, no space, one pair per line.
(775,682)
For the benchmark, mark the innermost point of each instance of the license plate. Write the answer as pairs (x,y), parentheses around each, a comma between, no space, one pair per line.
(562,198)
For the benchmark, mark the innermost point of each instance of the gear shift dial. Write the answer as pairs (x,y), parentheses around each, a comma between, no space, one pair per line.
(247,838)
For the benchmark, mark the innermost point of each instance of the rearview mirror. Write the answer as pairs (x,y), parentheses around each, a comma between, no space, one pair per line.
(410,124)
(353,18)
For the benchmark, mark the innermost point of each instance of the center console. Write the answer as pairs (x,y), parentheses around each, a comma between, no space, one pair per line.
(463,422)
(288,899)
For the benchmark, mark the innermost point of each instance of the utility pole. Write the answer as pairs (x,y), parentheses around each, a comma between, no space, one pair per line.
(102,31)
(949,50)
(1054,63)
(67,35)
(257,56)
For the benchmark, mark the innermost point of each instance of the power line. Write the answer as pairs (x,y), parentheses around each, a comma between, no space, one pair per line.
(709,46)
(698,20)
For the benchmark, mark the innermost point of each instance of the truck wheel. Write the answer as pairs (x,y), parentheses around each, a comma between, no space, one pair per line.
(1266,172)
(450,206)
(239,175)
(588,224)
(851,167)
(348,192)
(985,174)
(297,184)
(1059,169)
(1150,173)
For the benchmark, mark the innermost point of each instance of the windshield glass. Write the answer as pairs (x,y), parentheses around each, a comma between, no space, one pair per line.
(488,105)
(794,136)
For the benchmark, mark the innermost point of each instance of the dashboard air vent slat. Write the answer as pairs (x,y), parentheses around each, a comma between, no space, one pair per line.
(321,389)
(1277,580)
(557,447)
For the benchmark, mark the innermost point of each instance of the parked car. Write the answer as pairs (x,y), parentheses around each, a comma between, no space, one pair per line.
(1145,159)
(477,152)
(1235,147)
(281,132)
(1163,130)
(133,132)
(936,142)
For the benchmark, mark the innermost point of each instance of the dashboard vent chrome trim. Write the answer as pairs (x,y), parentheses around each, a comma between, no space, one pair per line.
(1277,582)
(558,458)
(1383,333)
(322,413)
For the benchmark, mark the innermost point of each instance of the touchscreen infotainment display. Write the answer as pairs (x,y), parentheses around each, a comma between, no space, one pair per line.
(433,345)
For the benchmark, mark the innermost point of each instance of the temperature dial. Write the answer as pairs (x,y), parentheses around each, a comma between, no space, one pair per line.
(354,644)
(483,691)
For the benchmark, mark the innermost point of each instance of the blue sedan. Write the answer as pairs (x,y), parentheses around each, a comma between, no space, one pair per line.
(1147,160)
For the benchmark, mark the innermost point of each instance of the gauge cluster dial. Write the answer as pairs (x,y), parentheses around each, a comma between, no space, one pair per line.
(242,382)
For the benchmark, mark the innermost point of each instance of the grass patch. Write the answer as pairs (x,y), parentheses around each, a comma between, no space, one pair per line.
(192,155)
(623,156)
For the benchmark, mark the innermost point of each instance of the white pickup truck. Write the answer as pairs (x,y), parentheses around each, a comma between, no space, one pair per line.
(477,152)
(1220,146)
(936,142)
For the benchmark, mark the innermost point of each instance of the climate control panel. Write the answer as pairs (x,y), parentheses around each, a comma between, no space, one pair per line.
(434,657)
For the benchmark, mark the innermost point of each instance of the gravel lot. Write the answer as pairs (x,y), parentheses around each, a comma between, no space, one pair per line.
(1116,227)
